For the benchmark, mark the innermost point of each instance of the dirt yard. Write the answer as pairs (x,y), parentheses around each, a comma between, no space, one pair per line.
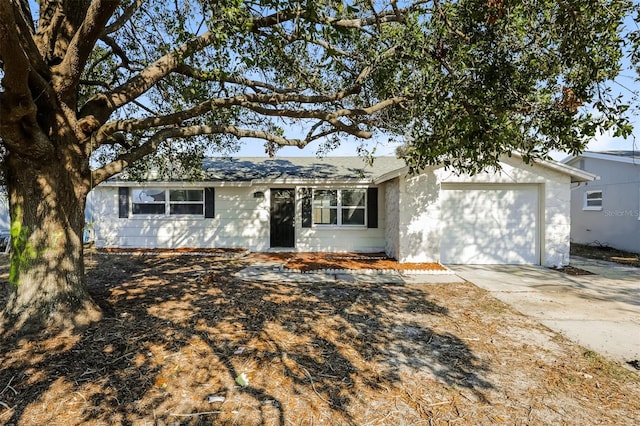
(183,342)
(596,251)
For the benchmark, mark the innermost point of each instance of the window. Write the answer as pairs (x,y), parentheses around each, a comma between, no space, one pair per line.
(148,201)
(339,207)
(592,200)
(186,201)
(158,201)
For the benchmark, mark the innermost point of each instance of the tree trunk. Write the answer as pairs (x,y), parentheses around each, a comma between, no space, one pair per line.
(47,285)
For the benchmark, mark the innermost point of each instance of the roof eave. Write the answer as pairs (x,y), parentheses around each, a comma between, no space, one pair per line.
(576,175)
(603,156)
(230,184)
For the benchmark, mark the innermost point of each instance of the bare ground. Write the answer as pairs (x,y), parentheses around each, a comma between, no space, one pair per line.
(604,252)
(179,329)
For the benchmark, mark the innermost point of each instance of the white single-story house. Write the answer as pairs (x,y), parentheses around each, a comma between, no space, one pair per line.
(306,204)
(607,211)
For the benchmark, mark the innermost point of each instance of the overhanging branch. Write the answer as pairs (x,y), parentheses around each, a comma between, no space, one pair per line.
(251,101)
(126,159)
(126,15)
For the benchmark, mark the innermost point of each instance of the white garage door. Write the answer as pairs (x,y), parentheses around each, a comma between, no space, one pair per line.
(490,224)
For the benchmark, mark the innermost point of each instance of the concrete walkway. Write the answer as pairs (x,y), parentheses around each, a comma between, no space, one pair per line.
(273,271)
(600,312)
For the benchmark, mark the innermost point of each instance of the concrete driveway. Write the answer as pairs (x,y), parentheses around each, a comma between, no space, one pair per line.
(600,312)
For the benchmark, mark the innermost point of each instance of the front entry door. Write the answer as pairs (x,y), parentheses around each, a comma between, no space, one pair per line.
(283,209)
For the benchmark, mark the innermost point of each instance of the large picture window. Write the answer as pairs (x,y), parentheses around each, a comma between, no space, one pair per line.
(159,201)
(339,207)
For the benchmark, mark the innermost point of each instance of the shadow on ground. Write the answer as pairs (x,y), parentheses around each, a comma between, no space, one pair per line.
(179,330)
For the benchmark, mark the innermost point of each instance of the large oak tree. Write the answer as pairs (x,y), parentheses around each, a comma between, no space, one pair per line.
(91,88)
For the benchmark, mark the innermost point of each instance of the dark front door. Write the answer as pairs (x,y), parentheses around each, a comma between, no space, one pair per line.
(283,209)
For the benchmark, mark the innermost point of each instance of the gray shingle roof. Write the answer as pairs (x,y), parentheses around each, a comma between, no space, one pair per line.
(242,169)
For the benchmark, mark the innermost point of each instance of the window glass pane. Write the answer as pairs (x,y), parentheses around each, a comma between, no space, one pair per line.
(325,197)
(148,208)
(147,195)
(353,216)
(195,209)
(185,195)
(594,195)
(353,197)
(326,216)
(594,203)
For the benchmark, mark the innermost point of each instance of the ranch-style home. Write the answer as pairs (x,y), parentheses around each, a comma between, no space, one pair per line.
(606,211)
(306,204)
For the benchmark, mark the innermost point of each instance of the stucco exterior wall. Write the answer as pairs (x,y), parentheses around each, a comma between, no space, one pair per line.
(392,212)
(617,224)
(419,226)
(422,216)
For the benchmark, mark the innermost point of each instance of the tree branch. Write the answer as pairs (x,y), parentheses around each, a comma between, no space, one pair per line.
(79,49)
(126,159)
(15,80)
(323,115)
(447,23)
(126,15)
(102,105)
(377,19)
(251,101)
(26,34)
(115,48)
(256,85)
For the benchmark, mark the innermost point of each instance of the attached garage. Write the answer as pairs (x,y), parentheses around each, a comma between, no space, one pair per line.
(518,215)
(490,224)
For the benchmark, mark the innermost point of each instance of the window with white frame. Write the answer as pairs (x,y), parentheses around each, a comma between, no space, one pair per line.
(339,207)
(160,201)
(592,200)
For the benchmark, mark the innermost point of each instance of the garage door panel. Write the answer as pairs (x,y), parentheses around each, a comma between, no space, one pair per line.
(490,224)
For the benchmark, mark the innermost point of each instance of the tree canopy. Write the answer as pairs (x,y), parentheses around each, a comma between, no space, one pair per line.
(467,81)
(91,88)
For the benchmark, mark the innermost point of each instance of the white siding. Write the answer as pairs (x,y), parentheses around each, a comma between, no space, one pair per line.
(420,228)
(241,221)
(4,210)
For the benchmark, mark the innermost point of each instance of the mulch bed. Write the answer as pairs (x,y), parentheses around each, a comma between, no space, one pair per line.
(572,270)
(303,262)
(185,343)
(306,262)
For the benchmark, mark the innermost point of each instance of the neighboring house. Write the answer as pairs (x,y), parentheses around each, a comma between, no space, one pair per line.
(606,211)
(518,216)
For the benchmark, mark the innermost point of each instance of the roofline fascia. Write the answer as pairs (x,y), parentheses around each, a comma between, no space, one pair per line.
(580,175)
(246,184)
(391,175)
(603,156)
